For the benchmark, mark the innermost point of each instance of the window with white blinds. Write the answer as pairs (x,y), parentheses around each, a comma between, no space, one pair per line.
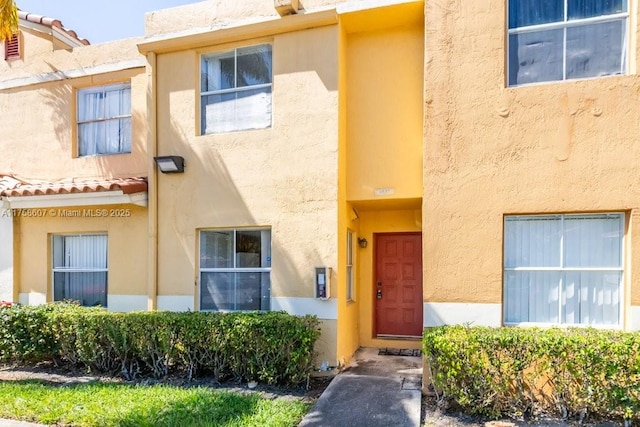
(235,90)
(235,270)
(104,120)
(80,268)
(563,269)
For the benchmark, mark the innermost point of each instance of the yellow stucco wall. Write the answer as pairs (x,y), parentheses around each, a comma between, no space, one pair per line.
(38,142)
(219,13)
(348,309)
(32,44)
(383,87)
(491,150)
(339,132)
(283,177)
(384,113)
(127,246)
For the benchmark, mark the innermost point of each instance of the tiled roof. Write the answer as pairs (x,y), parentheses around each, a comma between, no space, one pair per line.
(50,22)
(127,185)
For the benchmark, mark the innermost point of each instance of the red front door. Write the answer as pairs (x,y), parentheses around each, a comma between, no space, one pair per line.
(398,284)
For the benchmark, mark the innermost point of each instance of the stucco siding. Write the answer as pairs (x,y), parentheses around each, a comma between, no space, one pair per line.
(126,258)
(283,177)
(492,150)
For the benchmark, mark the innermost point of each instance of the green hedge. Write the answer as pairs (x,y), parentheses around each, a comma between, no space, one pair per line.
(270,347)
(575,373)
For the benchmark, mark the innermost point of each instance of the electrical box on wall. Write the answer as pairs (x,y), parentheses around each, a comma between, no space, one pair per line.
(323,282)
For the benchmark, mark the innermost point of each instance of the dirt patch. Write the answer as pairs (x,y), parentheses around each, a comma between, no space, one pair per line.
(435,413)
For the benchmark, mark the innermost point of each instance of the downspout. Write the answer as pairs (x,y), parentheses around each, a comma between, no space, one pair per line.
(152,148)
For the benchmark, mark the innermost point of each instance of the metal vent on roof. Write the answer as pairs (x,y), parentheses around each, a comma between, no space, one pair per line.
(12,48)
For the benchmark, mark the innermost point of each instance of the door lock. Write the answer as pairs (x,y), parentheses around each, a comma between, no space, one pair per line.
(379,294)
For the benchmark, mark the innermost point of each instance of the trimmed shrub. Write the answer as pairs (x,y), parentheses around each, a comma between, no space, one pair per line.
(25,335)
(271,347)
(574,373)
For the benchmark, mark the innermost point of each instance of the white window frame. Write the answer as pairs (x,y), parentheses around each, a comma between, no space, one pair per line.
(234,89)
(561,268)
(564,25)
(234,269)
(64,269)
(350,271)
(103,88)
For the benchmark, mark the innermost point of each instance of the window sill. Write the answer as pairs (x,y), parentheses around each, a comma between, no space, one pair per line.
(552,82)
(88,156)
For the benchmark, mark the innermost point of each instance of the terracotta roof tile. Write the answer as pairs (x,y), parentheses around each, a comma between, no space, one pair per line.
(126,185)
(50,22)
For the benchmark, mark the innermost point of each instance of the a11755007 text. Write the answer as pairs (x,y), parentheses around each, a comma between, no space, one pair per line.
(66,213)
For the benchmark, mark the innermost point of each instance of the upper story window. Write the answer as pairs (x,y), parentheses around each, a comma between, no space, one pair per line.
(12,48)
(236,90)
(564,269)
(552,40)
(104,120)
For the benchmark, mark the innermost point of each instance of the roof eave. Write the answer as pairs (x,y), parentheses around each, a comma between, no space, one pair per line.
(55,32)
(65,38)
(201,37)
(99,198)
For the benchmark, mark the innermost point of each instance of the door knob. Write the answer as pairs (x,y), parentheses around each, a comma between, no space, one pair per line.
(379,294)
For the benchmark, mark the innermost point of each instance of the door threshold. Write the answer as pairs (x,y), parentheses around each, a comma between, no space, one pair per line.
(399,337)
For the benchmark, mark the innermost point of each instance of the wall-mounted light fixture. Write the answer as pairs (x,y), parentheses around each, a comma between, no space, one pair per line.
(362,242)
(170,164)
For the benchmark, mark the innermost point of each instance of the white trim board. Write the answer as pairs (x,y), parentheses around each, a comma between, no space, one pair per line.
(72,74)
(57,33)
(115,197)
(474,314)
(32,298)
(6,257)
(175,303)
(324,309)
(360,5)
(633,319)
(127,303)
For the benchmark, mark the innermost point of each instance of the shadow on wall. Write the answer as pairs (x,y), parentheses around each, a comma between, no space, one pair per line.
(60,98)
(206,196)
(431,317)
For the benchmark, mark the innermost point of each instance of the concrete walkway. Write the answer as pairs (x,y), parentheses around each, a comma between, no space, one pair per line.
(372,391)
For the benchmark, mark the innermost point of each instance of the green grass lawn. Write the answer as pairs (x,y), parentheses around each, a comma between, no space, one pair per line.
(109,404)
